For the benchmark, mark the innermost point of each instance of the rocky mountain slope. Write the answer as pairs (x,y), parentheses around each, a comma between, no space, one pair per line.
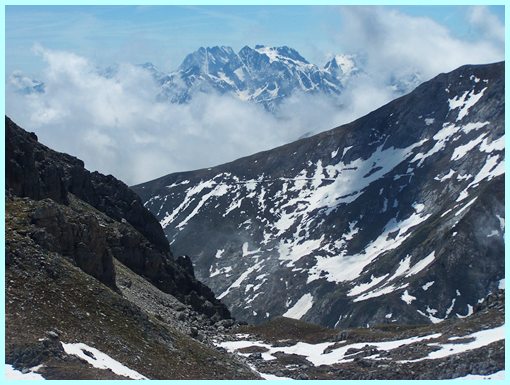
(92,289)
(397,217)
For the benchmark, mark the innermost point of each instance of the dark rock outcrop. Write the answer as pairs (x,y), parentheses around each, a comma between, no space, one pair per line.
(91,218)
(78,236)
(35,171)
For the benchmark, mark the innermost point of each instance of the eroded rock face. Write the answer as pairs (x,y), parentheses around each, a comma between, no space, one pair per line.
(91,218)
(80,237)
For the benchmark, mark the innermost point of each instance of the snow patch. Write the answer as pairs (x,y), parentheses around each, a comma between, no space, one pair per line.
(362,287)
(427,285)
(13,374)
(480,339)
(100,360)
(494,376)
(300,308)
(407,298)
(420,265)
(445,177)
(465,102)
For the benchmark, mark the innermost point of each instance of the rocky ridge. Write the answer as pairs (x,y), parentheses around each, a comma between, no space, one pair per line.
(37,172)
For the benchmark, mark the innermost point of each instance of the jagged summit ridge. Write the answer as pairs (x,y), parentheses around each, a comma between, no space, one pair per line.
(261,74)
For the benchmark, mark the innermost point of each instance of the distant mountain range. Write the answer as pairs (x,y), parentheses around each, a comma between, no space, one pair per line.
(262,74)
(395,217)
(265,75)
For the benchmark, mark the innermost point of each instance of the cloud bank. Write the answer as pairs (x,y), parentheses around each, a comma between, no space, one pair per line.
(117,125)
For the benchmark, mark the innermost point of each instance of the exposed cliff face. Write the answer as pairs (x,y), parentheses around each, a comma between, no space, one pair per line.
(35,171)
(63,221)
(395,217)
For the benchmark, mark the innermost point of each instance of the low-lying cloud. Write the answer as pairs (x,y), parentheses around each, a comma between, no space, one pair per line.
(396,44)
(117,125)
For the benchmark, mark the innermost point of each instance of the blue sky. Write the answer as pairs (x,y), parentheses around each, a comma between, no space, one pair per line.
(165,34)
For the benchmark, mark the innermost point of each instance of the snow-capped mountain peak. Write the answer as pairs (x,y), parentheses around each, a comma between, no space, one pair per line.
(342,64)
(262,74)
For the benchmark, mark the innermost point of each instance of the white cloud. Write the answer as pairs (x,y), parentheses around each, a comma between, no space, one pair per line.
(397,44)
(487,24)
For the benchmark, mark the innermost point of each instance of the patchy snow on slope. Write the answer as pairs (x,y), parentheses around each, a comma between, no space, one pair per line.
(465,102)
(444,135)
(466,206)
(420,265)
(224,270)
(387,289)
(217,191)
(187,200)
(407,298)
(100,360)
(294,250)
(461,151)
(348,267)
(494,166)
(495,145)
(241,278)
(494,376)
(315,353)
(300,308)
(480,339)
(362,287)
(403,267)
(445,177)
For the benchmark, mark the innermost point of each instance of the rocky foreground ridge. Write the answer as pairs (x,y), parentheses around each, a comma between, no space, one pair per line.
(82,259)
